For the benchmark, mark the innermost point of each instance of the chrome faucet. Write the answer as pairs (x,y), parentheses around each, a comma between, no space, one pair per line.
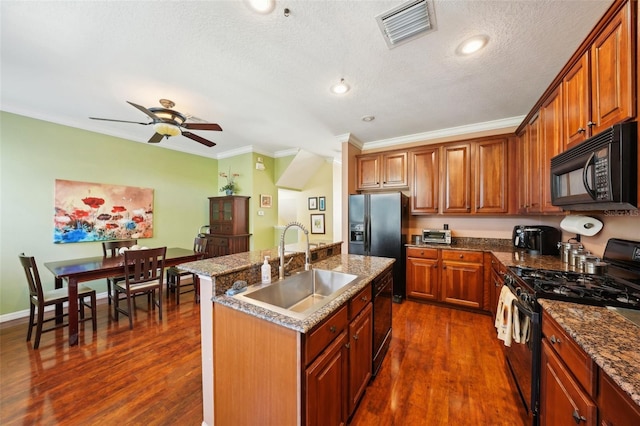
(307,255)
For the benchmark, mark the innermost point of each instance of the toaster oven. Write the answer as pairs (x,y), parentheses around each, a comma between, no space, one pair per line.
(436,236)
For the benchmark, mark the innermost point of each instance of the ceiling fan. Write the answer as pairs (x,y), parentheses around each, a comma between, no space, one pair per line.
(167,122)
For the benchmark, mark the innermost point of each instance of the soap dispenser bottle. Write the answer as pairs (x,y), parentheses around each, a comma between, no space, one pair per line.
(266,271)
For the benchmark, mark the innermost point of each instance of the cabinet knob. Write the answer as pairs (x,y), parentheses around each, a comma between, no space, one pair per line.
(347,345)
(461,256)
(581,130)
(591,123)
(332,329)
(554,339)
(435,266)
(355,337)
(422,253)
(364,298)
(444,266)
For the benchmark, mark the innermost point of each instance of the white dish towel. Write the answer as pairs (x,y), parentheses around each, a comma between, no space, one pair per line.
(504,317)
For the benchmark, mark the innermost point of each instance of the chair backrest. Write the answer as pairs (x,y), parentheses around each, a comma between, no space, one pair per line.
(144,265)
(33,277)
(111,248)
(200,245)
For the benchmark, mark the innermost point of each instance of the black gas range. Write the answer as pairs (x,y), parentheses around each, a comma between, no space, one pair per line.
(619,287)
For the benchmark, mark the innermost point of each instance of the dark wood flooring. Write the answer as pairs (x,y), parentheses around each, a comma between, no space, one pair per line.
(444,367)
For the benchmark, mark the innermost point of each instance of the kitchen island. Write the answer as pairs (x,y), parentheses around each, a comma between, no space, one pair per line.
(262,354)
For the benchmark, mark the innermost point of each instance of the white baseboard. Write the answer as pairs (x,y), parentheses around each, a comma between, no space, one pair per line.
(25,313)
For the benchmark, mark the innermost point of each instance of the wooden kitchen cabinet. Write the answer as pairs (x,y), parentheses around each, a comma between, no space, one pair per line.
(456,175)
(568,379)
(228,225)
(615,407)
(551,144)
(454,277)
(382,171)
(422,273)
(326,383)
(598,90)
(462,278)
(490,184)
(425,180)
(360,347)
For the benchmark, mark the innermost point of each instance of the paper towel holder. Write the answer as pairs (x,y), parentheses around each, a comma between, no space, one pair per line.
(581,225)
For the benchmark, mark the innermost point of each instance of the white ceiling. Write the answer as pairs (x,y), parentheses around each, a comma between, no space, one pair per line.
(265,78)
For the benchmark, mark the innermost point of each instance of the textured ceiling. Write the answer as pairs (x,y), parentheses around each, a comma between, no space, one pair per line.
(265,78)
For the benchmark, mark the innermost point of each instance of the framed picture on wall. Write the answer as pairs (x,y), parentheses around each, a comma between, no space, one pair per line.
(322,203)
(317,223)
(266,201)
(313,203)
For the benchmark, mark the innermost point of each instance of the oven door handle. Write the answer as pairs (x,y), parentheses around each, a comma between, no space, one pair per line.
(526,311)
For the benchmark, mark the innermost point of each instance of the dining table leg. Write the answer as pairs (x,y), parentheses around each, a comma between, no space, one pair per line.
(73,311)
(59,306)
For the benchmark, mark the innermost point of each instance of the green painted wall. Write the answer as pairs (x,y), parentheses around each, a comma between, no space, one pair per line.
(320,185)
(34,153)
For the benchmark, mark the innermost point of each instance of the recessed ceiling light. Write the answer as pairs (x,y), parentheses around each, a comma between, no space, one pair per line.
(261,6)
(340,88)
(472,45)
(368,118)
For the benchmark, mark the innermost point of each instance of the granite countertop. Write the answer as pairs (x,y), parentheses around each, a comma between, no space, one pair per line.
(611,340)
(366,267)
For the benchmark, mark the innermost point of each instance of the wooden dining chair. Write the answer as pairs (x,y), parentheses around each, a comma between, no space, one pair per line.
(143,275)
(40,298)
(112,249)
(175,276)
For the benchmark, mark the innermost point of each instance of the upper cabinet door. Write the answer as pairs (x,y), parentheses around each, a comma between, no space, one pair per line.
(425,175)
(490,183)
(394,170)
(551,144)
(457,178)
(611,73)
(369,172)
(576,102)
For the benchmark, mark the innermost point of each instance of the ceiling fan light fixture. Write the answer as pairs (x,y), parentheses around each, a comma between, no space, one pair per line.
(167,129)
(340,88)
(261,6)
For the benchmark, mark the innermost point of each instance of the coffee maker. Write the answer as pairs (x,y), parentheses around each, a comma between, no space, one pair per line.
(537,239)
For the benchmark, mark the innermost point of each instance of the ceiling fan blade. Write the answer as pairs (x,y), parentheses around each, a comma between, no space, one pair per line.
(146,111)
(119,121)
(157,137)
(197,138)
(202,126)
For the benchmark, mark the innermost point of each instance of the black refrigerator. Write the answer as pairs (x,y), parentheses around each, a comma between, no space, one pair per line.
(378,224)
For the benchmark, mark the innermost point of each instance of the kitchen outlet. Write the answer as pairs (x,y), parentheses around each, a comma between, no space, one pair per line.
(260,212)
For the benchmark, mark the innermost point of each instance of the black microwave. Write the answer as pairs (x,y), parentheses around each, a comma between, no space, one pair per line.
(599,174)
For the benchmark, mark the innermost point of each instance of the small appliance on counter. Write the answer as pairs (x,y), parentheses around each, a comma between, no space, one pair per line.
(436,236)
(537,239)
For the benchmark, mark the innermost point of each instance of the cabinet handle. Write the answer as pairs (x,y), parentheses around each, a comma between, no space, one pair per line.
(332,329)
(364,298)
(347,345)
(578,418)
(461,256)
(355,337)
(581,130)
(554,339)
(444,266)
(435,266)
(591,123)
(421,253)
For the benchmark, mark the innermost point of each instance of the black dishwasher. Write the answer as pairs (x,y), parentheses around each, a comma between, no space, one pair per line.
(382,291)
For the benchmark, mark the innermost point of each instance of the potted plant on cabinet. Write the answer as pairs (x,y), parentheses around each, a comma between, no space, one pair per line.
(231,185)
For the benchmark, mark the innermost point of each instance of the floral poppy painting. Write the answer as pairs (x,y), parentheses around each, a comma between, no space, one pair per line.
(86,211)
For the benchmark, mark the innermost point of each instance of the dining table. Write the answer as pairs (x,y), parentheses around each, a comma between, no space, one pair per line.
(75,271)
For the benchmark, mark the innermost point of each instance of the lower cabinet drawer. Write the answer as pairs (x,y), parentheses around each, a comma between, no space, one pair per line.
(579,363)
(424,253)
(359,301)
(463,256)
(318,339)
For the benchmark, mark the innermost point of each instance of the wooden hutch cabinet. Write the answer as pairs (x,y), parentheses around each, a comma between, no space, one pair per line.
(228,225)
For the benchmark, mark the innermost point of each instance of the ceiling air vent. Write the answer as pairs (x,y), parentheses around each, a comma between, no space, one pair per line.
(406,22)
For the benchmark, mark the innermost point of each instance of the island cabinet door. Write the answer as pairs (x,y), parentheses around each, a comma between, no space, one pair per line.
(326,383)
(360,355)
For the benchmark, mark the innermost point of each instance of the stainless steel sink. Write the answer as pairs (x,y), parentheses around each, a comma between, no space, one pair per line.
(303,292)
